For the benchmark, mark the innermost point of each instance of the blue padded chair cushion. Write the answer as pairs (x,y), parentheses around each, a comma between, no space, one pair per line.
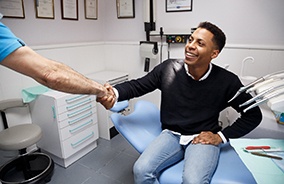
(140,128)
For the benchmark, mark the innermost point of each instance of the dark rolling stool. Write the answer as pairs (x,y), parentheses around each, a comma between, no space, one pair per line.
(28,168)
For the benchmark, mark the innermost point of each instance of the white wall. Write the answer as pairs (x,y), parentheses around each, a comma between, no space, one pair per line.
(243,21)
(56,31)
(253,22)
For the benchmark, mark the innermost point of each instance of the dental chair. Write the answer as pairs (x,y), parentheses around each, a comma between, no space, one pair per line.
(142,126)
(28,168)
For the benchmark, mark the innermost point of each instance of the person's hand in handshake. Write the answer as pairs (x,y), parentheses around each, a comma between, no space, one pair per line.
(108,100)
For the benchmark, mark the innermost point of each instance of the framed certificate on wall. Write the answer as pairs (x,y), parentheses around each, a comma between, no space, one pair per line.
(69,9)
(91,9)
(44,9)
(12,9)
(125,8)
(178,5)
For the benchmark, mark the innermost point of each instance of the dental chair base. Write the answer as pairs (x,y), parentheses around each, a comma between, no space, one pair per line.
(140,128)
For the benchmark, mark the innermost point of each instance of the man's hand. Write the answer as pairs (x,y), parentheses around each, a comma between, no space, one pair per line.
(108,100)
(102,92)
(207,138)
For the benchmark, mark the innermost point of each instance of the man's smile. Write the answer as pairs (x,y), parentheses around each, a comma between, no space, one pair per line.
(190,55)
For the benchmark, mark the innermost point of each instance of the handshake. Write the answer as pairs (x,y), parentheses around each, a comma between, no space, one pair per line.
(109,99)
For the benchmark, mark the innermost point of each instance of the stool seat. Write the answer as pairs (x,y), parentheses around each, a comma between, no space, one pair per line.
(19,136)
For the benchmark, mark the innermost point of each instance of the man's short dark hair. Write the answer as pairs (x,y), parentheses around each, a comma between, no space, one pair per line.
(219,37)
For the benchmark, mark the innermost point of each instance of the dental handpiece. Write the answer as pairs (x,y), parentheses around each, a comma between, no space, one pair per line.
(267,81)
(261,79)
(273,95)
(260,95)
(244,88)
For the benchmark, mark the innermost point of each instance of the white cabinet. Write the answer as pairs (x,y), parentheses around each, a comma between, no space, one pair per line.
(106,127)
(69,125)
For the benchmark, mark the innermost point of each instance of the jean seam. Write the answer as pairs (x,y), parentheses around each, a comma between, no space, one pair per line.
(163,161)
(208,177)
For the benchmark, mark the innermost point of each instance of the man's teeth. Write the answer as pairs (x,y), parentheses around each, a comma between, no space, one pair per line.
(190,54)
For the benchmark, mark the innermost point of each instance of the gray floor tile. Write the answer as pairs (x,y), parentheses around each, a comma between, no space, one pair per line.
(74,174)
(120,168)
(98,158)
(118,143)
(100,179)
(132,152)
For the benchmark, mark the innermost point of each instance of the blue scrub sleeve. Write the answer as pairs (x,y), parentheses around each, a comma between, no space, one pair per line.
(8,42)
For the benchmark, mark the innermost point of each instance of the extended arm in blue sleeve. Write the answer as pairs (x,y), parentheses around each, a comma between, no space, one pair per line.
(8,42)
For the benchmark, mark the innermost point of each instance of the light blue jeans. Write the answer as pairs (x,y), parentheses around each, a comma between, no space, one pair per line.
(200,160)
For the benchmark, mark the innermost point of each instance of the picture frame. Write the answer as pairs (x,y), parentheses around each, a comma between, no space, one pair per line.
(125,8)
(69,9)
(178,5)
(12,9)
(91,9)
(44,9)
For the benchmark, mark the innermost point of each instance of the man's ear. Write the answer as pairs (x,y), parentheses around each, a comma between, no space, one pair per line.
(215,53)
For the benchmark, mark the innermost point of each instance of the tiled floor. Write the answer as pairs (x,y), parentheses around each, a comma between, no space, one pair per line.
(110,163)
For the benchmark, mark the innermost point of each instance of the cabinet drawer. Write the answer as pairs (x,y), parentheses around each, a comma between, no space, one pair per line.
(69,99)
(75,104)
(79,141)
(81,118)
(78,111)
(74,129)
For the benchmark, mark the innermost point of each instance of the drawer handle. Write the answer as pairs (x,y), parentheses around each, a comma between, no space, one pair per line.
(81,127)
(82,140)
(70,100)
(79,111)
(53,112)
(78,104)
(80,118)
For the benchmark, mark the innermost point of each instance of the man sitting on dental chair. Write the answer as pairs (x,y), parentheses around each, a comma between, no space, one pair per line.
(193,93)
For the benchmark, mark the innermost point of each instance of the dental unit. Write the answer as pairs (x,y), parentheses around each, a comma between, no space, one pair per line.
(275,78)
(261,94)
(269,88)
(259,80)
(268,97)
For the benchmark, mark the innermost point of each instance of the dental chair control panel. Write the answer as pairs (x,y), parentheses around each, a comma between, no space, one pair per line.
(177,38)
